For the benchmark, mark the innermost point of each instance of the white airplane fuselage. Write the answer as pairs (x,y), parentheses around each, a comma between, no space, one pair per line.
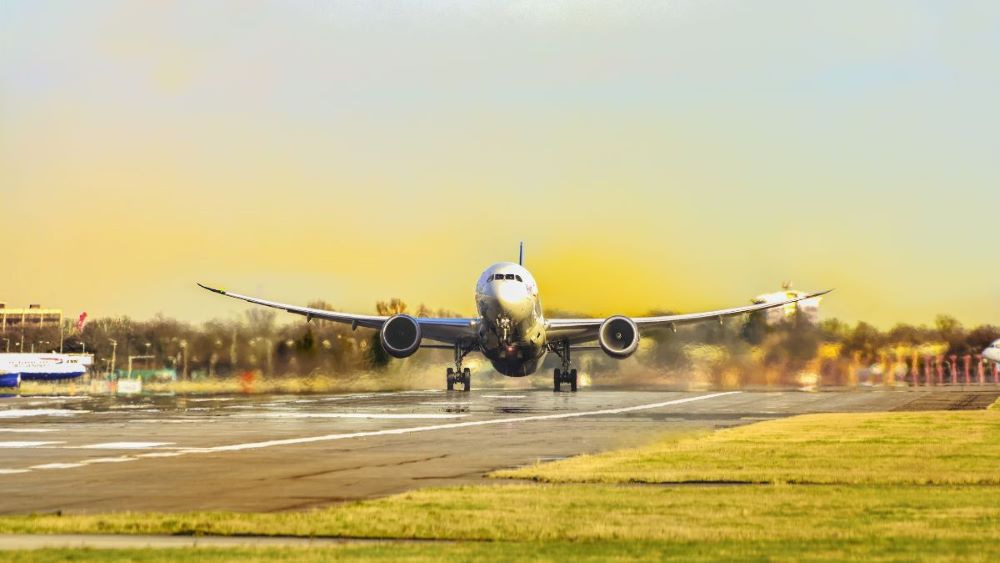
(511,327)
(993,352)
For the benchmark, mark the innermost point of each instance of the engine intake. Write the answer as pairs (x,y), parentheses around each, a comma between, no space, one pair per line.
(400,336)
(618,336)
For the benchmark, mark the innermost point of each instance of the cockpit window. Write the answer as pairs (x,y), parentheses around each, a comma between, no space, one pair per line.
(517,277)
(498,277)
(510,276)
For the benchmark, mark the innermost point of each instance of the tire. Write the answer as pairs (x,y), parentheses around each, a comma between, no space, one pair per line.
(555,381)
(572,380)
(451,379)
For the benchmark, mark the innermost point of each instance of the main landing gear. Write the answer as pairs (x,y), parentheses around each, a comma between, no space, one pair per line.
(459,375)
(564,375)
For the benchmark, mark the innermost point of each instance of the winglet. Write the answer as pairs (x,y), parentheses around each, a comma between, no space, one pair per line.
(212,289)
(520,256)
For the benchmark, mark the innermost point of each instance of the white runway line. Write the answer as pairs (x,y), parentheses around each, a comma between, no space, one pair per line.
(504,396)
(109,459)
(23,444)
(28,430)
(57,466)
(125,445)
(388,416)
(13,471)
(396,431)
(21,413)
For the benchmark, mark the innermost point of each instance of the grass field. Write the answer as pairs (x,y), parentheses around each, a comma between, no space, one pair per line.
(890,486)
(960,447)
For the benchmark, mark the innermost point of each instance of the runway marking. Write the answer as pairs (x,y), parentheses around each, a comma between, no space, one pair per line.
(28,430)
(57,465)
(351,415)
(125,445)
(397,431)
(504,396)
(23,444)
(207,399)
(13,471)
(21,413)
(392,432)
(119,459)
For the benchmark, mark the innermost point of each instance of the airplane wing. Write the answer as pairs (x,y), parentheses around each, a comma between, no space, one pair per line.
(442,330)
(579,331)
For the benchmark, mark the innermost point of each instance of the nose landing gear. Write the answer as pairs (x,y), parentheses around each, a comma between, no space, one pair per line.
(463,378)
(564,375)
(459,375)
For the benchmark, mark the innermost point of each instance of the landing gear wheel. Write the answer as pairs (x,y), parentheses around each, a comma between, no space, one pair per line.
(560,376)
(466,379)
(451,379)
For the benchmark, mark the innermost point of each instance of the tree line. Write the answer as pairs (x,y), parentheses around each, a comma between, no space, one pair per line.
(738,351)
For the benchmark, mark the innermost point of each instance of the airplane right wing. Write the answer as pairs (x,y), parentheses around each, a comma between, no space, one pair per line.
(444,330)
(579,331)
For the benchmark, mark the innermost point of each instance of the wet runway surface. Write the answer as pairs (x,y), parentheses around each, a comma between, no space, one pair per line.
(269,453)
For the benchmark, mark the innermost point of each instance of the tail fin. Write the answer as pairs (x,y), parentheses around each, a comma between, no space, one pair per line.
(520,257)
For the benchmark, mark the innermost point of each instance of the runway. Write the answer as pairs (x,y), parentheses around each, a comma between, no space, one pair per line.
(271,453)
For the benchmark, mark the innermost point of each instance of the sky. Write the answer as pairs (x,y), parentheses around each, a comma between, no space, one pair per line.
(652,155)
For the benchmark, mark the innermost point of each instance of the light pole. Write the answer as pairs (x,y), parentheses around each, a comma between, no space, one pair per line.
(114,355)
(184,349)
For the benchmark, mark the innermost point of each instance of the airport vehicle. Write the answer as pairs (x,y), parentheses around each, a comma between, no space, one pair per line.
(992,353)
(510,330)
(15,368)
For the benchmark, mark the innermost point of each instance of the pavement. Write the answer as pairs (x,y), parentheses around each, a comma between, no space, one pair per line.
(82,454)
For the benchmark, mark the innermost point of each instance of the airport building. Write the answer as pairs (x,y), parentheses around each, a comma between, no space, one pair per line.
(807,307)
(32,317)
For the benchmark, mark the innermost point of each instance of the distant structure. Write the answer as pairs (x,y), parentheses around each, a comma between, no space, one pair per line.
(809,308)
(34,316)
(17,321)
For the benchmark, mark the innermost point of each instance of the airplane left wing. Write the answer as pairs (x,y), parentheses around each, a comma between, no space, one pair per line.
(442,330)
(579,331)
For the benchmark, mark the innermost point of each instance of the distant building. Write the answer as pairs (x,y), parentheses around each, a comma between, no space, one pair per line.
(809,308)
(32,317)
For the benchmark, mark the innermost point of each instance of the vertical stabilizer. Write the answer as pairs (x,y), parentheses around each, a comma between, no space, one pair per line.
(520,256)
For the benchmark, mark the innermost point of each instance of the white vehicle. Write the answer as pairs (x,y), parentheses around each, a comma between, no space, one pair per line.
(15,368)
(992,353)
(510,330)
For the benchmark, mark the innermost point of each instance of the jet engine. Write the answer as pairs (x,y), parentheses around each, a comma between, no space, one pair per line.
(618,336)
(10,380)
(400,336)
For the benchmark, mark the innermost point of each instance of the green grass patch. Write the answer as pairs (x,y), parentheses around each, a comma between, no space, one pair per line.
(871,448)
(586,513)
(880,549)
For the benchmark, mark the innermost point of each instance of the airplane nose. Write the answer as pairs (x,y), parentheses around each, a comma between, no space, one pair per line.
(514,299)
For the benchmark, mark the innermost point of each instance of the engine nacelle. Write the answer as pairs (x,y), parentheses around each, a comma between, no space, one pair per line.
(618,336)
(10,380)
(400,336)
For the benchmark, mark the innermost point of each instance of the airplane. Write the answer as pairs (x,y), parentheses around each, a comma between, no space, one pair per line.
(993,352)
(15,368)
(510,330)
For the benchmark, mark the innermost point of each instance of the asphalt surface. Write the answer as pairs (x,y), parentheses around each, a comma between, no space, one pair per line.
(272,453)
